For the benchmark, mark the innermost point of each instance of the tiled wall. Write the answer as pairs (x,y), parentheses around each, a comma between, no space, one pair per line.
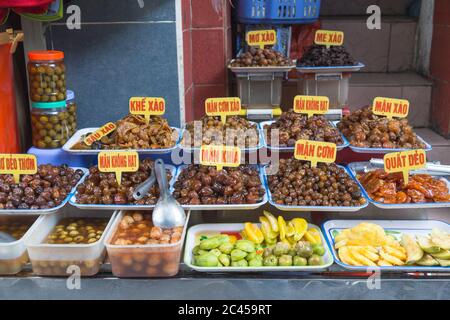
(207,48)
(440,68)
(122,50)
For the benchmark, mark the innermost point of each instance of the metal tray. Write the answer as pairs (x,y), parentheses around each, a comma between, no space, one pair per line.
(196,149)
(337,69)
(394,227)
(263,135)
(367,166)
(313,208)
(77,137)
(50,210)
(73,202)
(206,207)
(254,70)
(236,227)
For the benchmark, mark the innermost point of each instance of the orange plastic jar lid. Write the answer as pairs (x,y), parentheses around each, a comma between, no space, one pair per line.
(45,55)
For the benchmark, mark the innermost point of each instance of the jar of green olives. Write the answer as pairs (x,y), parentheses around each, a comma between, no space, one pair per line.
(50,124)
(47,76)
(72,109)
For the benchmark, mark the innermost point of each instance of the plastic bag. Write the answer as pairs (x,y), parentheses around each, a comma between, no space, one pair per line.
(9,131)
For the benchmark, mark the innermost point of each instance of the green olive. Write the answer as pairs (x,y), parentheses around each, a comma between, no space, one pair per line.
(42,132)
(52,133)
(43,119)
(54,119)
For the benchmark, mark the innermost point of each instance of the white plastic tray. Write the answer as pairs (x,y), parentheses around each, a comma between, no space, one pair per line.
(337,69)
(225,206)
(356,167)
(50,210)
(191,242)
(253,70)
(393,227)
(263,135)
(313,208)
(251,149)
(77,137)
(73,202)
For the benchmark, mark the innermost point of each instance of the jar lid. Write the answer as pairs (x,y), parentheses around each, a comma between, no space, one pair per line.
(45,55)
(48,105)
(70,95)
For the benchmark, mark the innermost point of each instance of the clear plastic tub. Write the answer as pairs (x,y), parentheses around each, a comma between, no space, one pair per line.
(54,259)
(13,255)
(144,261)
(260,91)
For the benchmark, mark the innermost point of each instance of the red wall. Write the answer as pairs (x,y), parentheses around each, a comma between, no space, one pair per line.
(440,68)
(207,48)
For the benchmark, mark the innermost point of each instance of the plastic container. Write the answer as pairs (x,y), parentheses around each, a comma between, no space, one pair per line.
(54,259)
(46,76)
(72,109)
(278,11)
(144,261)
(50,124)
(13,255)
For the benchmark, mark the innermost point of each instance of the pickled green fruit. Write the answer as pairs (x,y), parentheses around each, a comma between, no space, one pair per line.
(285,261)
(267,252)
(315,260)
(209,244)
(280,249)
(256,262)
(240,263)
(292,252)
(304,249)
(226,247)
(299,261)
(251,256)
(237,255)
(270,261)
(207,260)
(224,259)
(245,245)
(215,252)
(318,249)
(201,252)
(223,238)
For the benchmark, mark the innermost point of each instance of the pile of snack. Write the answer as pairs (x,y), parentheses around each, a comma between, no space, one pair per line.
(296,183)
(366,130)
(133,132)
(199,184)
(292,126)
(77,231)
(321,56)
(102,188)
(368,244)
(276,243)
(390,187)
(256,57)
(46,189)
(237,131)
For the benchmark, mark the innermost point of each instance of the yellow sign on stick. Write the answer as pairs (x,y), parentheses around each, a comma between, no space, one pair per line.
(311,105)
(223,107)
(404,162)
(17,164)
(390,108)
(147,106)
(100,133)
(118,162)
(329,38)
(220,156)
(261,38)
(315,151)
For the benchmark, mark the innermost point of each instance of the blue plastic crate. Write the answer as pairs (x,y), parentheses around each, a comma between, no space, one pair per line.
(278,11)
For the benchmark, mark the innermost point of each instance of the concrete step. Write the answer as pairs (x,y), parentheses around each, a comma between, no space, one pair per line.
(441,146)
(364,87)
(390,49)
(359,7)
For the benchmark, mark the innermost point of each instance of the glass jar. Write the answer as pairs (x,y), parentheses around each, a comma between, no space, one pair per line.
(49,124)
(47,76)
(72,109)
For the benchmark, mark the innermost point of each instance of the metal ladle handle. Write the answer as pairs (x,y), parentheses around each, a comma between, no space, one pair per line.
(161,176)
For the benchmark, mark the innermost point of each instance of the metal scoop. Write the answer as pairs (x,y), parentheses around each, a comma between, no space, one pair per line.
(142,190)
(6,238)
(168,213)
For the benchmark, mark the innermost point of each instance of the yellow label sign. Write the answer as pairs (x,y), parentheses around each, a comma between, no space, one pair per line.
(220,156)
(223,107)
(390,107)
(261,38)
(118,162)
(329,38)
(311,105)
(315,151)
(147,106)
(100,133)
(17,164)
(404,162)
